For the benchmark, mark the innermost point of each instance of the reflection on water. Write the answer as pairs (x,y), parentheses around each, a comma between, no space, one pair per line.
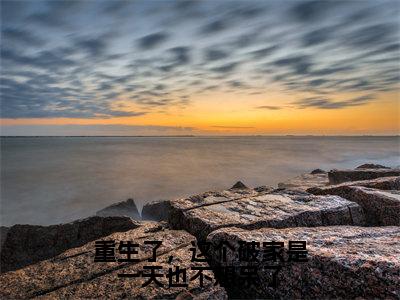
(53,180)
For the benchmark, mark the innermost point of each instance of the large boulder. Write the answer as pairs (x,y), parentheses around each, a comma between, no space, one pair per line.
(27,244)
(74,274)
(124,208)
(381,208)
(339,176)
(382,183)
(305,181)
(249,209)
(344,262)
(156,211)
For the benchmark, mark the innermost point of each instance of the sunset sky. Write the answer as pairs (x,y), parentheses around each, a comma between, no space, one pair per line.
(200,67)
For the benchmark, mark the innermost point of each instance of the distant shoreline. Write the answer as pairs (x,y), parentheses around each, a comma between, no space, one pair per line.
(194,136)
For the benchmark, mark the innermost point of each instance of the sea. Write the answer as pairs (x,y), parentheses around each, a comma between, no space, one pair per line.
(51,180)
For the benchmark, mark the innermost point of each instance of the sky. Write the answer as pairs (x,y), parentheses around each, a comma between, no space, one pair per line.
(200,67)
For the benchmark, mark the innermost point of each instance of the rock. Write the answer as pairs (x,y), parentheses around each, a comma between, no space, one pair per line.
(339,176)
(124,208)
(156,211)
(202,214)
(28,244)
(318,171)
(381,208)
(239,185)
(264,188)
(74,274)
(344,262)
(3,234)
(372,166)
(305,181)
(382,183)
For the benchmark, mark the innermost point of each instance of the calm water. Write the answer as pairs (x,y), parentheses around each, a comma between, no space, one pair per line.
(53,180)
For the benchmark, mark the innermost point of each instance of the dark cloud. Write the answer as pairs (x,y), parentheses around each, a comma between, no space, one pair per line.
(43,59)
(317,36)
(325,103)
(299,64)
(94,47)
(215,26)
(152,40)
(227,68)
(22,36)
(309,11)
(181,55)
(269,107)
(373,35)
(264,52)
(211,54)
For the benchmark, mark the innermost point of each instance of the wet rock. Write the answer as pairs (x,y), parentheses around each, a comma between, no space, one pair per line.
(124,208)
(202,214)
(156,211)
(344,262)
(305,181)
(339,176)
(28,244)
(239,185)
(318,171)
(382,183)
(381,208)
(74,274)
(372,166)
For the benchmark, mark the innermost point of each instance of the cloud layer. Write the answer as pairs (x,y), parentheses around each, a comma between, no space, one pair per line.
(104,59)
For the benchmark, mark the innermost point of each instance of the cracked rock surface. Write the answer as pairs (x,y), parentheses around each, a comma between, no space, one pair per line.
(27,244)
(339,176)
(74,274)
(344,262)
(202,214)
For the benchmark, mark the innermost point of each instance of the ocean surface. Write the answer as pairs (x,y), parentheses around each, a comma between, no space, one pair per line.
(50,180)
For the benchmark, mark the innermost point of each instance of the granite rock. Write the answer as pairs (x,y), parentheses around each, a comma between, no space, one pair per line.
(74,274)
(318,171)
(305,181)
(344,262)
(381,183)
(156,211)
(239,185)
(339,176)
(381,207)
(371,166)
(27,244)
(202,214)
(124,208)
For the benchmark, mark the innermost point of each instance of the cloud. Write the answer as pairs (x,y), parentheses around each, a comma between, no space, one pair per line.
(227,68)
(211,54)
(316,37)
(214,26)
(372,35)
(232,127)
(152,40)
(269,107)
(94,46)
(264,52)
(22,36)
(325,103)
(300,64)
(309,11)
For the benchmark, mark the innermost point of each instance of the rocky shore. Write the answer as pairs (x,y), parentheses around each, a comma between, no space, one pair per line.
(349,221)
